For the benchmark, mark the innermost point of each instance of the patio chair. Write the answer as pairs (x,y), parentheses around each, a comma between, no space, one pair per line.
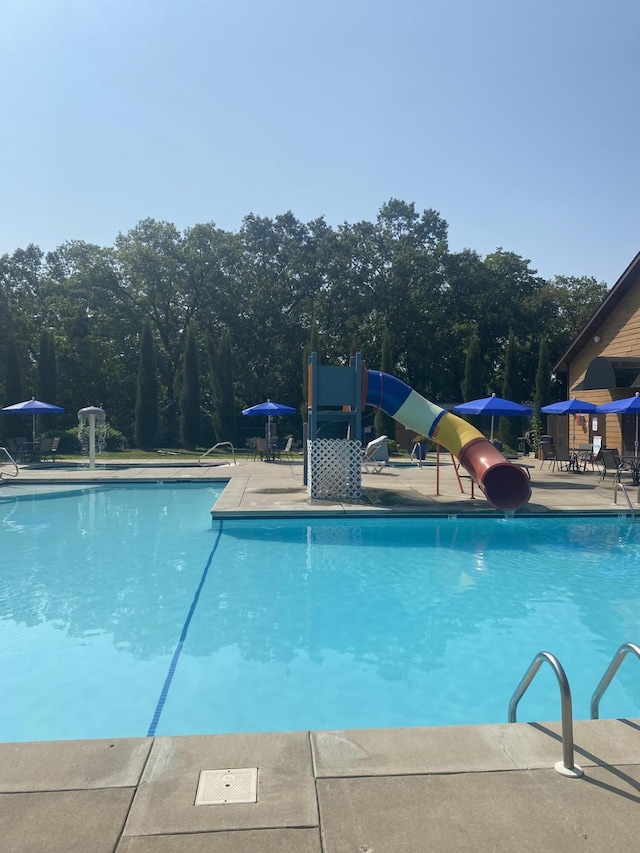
(611,461)
(24,449)
(548,453)
(262,449)
(375,455)
(585,456)
(563,459)
(48,449)
(287,450)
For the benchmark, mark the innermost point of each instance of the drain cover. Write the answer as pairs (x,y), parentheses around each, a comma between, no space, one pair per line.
(217,787)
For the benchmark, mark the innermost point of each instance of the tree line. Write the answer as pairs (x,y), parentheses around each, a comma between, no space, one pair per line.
(174,333)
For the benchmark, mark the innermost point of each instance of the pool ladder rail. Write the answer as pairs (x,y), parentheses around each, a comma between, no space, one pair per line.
(12,461)
(215,447)
(618,486)
(567,767)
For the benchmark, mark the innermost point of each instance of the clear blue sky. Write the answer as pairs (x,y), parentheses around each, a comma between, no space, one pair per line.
(517,121)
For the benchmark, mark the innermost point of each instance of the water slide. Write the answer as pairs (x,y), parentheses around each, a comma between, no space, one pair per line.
(505,486)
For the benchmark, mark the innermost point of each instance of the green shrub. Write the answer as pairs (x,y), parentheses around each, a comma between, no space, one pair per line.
(70,443)
(116,441)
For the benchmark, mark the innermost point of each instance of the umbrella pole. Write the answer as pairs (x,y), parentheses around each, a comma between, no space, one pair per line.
(491,429)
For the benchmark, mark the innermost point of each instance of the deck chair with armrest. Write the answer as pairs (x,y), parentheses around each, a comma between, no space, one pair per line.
(375,455)
(611,461)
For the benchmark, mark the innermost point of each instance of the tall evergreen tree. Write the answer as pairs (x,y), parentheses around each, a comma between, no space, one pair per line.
(511,427)
(472,385)
(13,424)
(385,424)
(542,395)
(221,369)
(146,424)
(47,389)
(190,393)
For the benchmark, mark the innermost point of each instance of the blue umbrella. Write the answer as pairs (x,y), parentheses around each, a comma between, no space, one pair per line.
(627,406)
(494,406)
(33,407)
(268,409)
(570,407)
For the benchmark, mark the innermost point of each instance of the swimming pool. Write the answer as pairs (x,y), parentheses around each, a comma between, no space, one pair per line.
(125,612)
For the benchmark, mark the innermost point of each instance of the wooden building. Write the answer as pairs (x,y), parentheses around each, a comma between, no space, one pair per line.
(603,364)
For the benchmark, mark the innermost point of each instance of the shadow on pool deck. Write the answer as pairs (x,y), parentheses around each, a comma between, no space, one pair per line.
(445,789)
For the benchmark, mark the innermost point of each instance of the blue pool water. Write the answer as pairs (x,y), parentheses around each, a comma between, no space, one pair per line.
(125,612)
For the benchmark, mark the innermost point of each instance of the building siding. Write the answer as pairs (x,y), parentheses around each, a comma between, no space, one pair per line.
(620,334)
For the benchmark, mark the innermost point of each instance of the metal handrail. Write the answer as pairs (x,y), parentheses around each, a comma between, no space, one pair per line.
(13,462)
(567,767)
(605,681)
(618,485)
(215,447)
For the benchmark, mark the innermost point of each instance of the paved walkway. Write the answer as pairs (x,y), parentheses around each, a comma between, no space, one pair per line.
(276,488)
(470,788)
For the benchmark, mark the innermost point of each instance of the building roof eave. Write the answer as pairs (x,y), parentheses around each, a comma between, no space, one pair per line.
(613,297)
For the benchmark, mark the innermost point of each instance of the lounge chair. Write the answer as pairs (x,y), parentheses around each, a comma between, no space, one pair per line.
(375,455)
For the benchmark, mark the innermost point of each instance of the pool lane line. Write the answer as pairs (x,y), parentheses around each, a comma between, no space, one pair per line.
(183,636)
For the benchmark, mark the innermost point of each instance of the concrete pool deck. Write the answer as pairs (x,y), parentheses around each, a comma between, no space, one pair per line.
(458,788)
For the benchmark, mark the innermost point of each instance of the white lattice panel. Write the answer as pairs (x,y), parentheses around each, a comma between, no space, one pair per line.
(334,469)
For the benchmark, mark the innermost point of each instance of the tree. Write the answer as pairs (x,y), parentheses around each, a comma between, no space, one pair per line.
(190,393)
(542,395)
(385,424)
(47,370)
(222,398)
(510,427)
(47,386)
(12,386)
(472,386)
(146,423)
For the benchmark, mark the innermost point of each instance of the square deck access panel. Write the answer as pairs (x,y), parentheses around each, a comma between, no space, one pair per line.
(225,787)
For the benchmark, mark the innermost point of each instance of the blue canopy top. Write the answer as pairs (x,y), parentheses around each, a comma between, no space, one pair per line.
(628,406)
(569,407)
(492,406)
(269,408)
(33,407)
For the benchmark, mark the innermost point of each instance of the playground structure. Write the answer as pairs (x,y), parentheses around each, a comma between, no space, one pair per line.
(336,399)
